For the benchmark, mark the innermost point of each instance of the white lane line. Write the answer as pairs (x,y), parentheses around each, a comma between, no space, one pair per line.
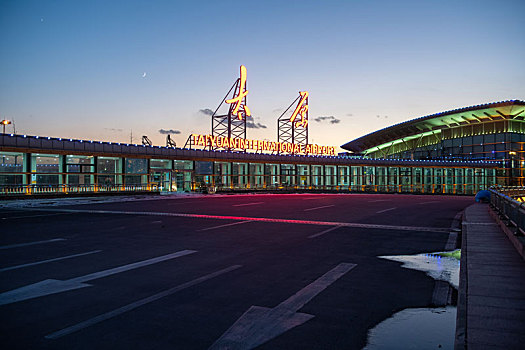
(132,266)
(49,260)
(52,286)
(31,243)
(257,219)
(31,216)
(245,204)
(384,211)
(136,304)
(429,202)
(323,232)
(324,206)
(225,225)
(380,200)
(156,222)
(261,324)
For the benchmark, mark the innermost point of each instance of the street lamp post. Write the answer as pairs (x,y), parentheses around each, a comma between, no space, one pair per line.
(4,123)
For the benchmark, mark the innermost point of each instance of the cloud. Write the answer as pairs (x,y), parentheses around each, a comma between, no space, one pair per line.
(206,111)
(277,110)
(349,115)
(168,132)
(252,125)
(385,116)
(331,119)
(113,129)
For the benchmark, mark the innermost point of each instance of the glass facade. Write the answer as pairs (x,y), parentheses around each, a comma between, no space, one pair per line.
(449,144)
(47,173)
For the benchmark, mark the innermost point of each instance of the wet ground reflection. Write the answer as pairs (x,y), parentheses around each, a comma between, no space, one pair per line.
(421,328)
(438,267)
(426,328)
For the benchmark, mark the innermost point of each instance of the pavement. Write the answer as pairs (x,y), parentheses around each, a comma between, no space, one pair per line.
(266,271)
(491,302)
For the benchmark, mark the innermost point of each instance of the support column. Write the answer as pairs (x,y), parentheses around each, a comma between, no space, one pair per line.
(95,173)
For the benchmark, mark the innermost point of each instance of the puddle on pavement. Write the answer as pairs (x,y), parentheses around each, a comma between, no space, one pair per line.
(441,268)
(421,328)
(425,328)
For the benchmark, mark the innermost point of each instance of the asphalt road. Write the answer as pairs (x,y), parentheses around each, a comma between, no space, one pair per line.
(294,271)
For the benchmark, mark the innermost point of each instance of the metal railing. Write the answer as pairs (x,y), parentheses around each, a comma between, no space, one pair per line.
(511,211)
(10,190)
(512,191)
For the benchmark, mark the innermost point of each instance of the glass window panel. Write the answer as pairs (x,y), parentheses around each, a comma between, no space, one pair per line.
(477,140)
(136,166)
(183,165)
(11,162)
(106,165)
(79,164)
(490,138)
(500,137)
(11,179)
(160,164)
(46,163)
(517,137)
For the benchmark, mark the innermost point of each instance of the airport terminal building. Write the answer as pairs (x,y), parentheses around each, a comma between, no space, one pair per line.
(454,152)
(494,131)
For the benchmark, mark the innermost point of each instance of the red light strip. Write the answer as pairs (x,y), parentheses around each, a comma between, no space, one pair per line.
(247,218)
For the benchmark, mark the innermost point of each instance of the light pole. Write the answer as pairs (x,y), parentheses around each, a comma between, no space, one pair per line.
(4,123)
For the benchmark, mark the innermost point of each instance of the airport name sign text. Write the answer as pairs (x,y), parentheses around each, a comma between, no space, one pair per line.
(259,145)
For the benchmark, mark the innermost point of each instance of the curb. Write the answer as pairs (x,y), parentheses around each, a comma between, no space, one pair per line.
(461,315)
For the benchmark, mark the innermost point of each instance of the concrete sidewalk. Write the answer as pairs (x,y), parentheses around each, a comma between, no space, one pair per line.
(491,302)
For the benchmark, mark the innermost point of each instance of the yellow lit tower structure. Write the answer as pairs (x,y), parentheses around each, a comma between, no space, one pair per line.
(233,124)
(294,129)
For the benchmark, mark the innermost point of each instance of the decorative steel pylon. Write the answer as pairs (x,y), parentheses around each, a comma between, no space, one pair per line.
(294,129)
(233,124)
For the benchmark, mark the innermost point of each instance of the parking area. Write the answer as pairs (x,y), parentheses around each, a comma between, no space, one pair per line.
(274,271)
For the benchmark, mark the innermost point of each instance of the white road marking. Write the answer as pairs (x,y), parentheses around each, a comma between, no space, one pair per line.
(324,206)
(429,202)
(260,324)
(49,260)
(480,223)
(31,243)
(245,204)
(323,232)
(52,286)
(225,225)
(156,222)
(380,200)
(32,216)
(136,304)
(384,211)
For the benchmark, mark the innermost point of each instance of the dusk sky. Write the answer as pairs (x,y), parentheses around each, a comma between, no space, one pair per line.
(99,69)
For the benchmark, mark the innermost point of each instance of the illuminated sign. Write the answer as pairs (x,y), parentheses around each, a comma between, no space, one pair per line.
(302,110)
(258,145)
(241,95)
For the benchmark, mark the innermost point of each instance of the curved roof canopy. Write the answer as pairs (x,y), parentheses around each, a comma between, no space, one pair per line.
(512,109)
